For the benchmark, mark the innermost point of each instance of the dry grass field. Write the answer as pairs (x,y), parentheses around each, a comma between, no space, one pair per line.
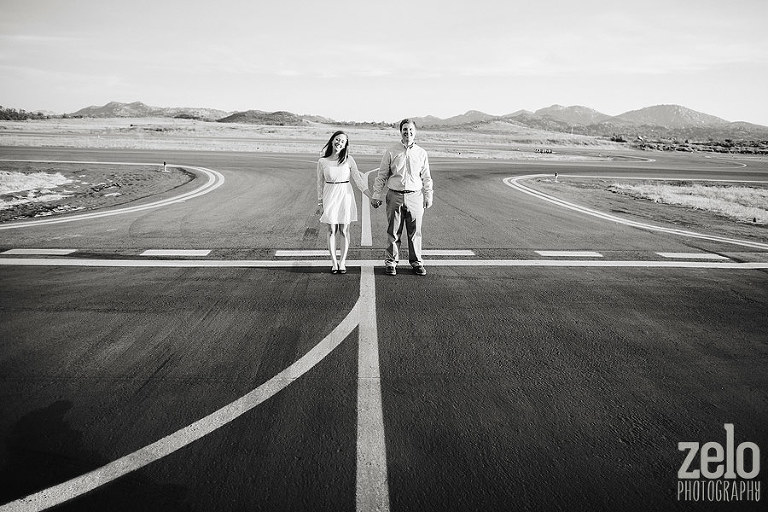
(184,134)
(740,203)
(717,209)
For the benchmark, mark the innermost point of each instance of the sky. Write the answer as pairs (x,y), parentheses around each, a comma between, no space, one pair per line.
(360,60)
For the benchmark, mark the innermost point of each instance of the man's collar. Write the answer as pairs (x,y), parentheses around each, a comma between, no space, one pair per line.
(407,147)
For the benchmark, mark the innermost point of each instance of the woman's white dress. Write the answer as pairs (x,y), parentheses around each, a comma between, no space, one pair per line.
(335,189)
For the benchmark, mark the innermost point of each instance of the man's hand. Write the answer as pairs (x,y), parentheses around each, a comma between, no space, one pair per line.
(427,203)
(375,203)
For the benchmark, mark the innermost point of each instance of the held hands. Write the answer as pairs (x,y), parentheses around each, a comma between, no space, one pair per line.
(377,202)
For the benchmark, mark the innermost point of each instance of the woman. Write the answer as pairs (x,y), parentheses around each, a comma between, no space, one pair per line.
(335,195)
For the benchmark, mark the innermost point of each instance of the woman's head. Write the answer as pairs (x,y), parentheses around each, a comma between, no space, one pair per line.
(338,143)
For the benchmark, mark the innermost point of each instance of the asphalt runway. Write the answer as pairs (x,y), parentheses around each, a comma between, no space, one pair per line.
(506,379)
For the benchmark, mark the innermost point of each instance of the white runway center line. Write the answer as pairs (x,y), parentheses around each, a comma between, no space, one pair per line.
(372,488)
(366,239)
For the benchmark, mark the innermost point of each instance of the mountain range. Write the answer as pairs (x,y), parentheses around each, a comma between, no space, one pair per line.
(656,121)
(659,121)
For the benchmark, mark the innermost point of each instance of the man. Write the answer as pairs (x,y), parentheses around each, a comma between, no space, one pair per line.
(404,170)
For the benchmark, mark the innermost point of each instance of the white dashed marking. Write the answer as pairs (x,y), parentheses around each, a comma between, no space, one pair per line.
(569,254)
(691,255)
(299,253)
(176,252)
(39,252)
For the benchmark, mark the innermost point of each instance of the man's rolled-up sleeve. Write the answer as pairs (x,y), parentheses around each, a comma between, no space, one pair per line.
(426,179)
(381,176)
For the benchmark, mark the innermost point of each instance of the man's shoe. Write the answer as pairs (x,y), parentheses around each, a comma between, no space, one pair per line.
(390,270)
(419,270)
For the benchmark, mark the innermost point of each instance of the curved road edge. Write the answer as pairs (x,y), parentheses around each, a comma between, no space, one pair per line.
(514,182)
(215,180)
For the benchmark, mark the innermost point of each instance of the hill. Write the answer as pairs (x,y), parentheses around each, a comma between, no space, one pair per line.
(139,109)
(472,116)
(671,117)
(574,115)
(279,118)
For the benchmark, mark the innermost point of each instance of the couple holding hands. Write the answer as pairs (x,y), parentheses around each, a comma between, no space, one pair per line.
(404,170)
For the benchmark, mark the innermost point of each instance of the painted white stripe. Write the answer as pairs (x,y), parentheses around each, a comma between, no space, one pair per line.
(215,180)
(75,262)
(176,252)
(600,263)
(366,239)
(40,252)
(372,488)
(515,183)
(78,486)
(644,178)
(570,254)
(447,252)
(298,253)
(692,255)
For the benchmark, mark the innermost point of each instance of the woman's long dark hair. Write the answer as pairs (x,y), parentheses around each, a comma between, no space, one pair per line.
(328,148)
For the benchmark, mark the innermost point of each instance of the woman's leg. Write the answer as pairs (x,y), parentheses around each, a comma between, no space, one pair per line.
(344,231)
(332,244)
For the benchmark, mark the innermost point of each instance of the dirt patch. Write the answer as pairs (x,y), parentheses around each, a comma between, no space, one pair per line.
(88,187)
(595,193)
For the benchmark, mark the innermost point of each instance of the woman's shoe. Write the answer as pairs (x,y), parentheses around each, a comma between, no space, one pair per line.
(334,270)
(342,269)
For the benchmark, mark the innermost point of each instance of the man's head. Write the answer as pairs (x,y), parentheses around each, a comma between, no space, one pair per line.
(407,131)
